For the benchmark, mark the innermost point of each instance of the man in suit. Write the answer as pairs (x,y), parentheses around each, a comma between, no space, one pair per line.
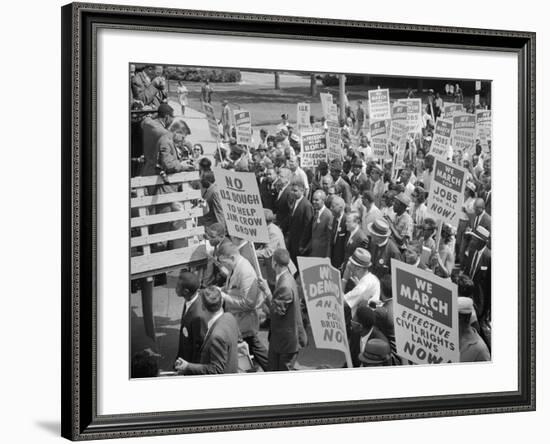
(153,130)
(287,334)
(342,187)
(193,317)
(477,265)
(242,299)
(215,273)
(148,85)
(321,227)
(339,233)
(356,238)
(284,199)
(382,248)
(211,195)
(370,211)
(218,354)
(482,218)
(298,236)
(358,177)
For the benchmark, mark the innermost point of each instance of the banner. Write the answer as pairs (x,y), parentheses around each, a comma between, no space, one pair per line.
(314,149)
(334,141)
(446,193)
(324,297)
(425,315)
(451,109)
(414,114)
(303,113)
(211,118)
(379,137)
(241,204)
(484,128)
(243,124)
(379,104)
(326,100)
(464,134)
(441,138)
(398,135)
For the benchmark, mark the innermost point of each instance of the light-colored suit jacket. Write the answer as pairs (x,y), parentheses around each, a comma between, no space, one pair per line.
(241,295)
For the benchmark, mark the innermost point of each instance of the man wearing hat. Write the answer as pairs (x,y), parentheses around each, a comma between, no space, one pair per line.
(472,348)
(358,177)
(402,225)
(382,248)
(226,119)
(477,265)
(378,187)
(363,330)
(375,354)
(342,187)
(363,285)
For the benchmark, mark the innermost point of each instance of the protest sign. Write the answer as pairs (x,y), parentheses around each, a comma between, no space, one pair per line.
(379,137)
(334,141)
(425,315)
(446,193)
(379,104)
(326,100)
(441,138)
(241,204)
(414,115)
(451,109)
(314,149)
(399,111)
(484,128)
(303,113)
(398,135)
(243,124)
(324,297)
(464,133)
(211,118)
(333,113)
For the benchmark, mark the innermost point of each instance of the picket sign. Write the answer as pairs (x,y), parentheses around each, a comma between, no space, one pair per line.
(188,250)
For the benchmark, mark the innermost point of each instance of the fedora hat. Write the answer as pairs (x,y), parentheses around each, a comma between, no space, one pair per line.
(361,258)
(379,228)
(481,233)
(357,163)
(376,351)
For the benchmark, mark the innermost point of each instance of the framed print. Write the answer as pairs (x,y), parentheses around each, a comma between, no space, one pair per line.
(278,221)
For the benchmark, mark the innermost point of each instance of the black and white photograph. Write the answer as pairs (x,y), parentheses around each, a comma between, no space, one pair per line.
(303,221)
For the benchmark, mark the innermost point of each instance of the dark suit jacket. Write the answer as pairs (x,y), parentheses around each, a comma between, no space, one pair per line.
(343,189)
(219,350)
(192,331)
(287,333)
(481,278)
(299,229)
(321,233)
(142,89)
(338,243)
(266,193)
(484,222)
(153,130)
(215,213)
(358,240)
(282,209)
(167,161)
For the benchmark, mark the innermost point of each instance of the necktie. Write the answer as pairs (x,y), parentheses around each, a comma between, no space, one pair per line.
(474,264)
(476,223)
(316,216)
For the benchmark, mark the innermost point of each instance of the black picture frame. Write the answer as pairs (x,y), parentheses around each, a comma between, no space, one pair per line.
(80,22)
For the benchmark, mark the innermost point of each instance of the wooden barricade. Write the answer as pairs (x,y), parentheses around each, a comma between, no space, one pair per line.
(180,230)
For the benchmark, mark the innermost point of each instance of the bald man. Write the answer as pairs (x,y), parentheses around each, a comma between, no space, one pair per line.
(321,230)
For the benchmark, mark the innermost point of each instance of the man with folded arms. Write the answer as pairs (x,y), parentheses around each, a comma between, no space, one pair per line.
(218,354)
